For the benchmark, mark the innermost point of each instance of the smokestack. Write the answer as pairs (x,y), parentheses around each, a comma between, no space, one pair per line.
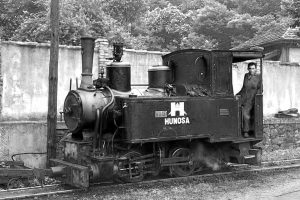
(87,53)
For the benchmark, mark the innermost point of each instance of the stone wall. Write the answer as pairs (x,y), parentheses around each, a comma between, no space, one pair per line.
(104,53)
(281,139)
(61,132)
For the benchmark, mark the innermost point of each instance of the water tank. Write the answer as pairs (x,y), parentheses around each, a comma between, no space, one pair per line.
(159,76)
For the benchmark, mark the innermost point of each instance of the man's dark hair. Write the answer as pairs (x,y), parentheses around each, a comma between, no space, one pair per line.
(252,63)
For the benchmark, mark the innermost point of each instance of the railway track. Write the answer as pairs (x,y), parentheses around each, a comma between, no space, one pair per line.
(48,190)
(31,192)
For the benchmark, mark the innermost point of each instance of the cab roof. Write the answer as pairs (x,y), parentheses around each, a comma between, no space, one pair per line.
(237,56)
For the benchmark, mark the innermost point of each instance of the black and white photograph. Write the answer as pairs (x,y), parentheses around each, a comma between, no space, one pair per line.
(150,99)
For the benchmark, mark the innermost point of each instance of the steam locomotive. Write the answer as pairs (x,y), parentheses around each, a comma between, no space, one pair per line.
(186,119)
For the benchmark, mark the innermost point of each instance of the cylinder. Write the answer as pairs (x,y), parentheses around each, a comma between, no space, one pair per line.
(119,75)
(87,53)
(159,76)
(103,170)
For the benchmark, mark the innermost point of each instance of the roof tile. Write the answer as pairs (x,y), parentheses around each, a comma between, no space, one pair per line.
(276,34)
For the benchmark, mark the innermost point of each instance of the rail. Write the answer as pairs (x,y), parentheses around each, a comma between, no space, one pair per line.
(57,189)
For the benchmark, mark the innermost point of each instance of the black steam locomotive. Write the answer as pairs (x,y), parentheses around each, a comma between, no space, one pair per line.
(186,120)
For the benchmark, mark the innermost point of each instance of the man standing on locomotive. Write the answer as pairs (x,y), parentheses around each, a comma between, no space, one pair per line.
(251,85)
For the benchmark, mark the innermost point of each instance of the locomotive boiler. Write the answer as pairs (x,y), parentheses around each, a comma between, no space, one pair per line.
(186,120)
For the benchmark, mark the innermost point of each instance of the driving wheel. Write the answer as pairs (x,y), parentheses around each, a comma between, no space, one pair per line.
(14,183)
(185,169)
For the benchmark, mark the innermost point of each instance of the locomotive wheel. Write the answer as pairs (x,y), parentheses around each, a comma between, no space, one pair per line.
(14,183)
(182,170)
(136,173)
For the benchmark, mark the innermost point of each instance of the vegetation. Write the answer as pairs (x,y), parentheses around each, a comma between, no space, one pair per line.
(150,24)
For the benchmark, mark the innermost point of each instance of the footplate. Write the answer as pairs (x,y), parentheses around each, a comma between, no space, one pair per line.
(75,175)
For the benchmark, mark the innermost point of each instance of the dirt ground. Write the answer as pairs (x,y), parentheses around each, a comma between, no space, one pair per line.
(254,185)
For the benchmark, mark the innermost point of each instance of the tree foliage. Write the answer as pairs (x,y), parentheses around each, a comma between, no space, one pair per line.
(77,18)
(168,26)
(150,24)
(13,14)
(125,11)
(212,21)
(258,7)
(291,8)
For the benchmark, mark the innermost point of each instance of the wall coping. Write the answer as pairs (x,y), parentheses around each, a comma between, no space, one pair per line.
(145,51)
(292,64)
(59,124)
(23,122)
(36,44)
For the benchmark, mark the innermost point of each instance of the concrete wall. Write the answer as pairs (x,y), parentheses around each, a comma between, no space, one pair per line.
(25,69)
(140,62)
(294,55)
(281,85)
(24,96)
(24,137)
